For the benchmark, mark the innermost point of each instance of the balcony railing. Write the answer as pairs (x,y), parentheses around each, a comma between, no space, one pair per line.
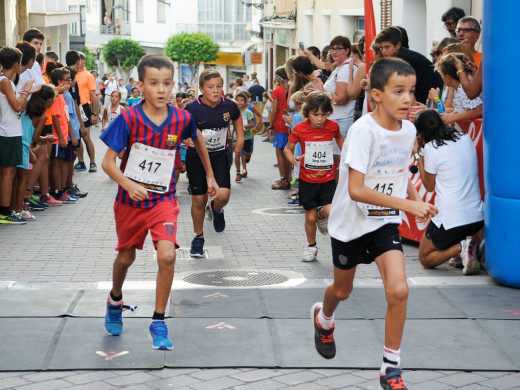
(218,31)
(121,28)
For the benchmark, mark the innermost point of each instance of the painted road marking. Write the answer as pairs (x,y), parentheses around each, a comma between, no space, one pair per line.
(220,325)
(111,354)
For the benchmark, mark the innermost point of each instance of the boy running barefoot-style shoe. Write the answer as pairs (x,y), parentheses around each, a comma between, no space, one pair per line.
(146,201)
(323,338)
(159,336)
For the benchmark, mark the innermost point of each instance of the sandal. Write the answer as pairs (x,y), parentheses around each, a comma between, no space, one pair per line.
(281,185)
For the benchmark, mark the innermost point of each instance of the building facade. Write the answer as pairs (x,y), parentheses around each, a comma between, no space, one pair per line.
(285,23)
(52,17)
(151,22)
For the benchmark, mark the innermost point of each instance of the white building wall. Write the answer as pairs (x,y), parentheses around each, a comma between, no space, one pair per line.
(9,34)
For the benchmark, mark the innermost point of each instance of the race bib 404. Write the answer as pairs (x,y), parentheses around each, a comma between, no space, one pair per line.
(318,156)
(150,167)
(387,180)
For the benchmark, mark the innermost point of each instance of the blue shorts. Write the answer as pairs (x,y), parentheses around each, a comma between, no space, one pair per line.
(25,157)
(280,140)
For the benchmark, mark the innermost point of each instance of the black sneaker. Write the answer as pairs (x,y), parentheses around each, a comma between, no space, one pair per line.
(74,190)
(197,247)
(323,338)
(392,380)
(80,167)
(219,223)
(93,167)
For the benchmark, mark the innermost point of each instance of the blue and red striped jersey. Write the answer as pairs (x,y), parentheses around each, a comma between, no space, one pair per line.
(131,126)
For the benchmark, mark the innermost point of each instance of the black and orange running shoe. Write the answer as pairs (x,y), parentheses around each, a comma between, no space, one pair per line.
(323,338)
(392,380)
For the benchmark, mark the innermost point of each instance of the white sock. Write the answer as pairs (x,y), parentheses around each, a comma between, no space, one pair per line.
(112,302)
(391,358)
(325,323)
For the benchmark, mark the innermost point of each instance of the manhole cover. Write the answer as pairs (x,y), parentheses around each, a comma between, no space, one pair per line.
(280,211)
(236,278)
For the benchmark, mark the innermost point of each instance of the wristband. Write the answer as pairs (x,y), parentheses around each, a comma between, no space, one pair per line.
(417,156)
(460,71)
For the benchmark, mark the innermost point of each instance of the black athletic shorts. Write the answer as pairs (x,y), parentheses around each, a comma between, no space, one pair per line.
(47,129)
(66,153)
(248,146)
(444,239)
(313,195)
(88,113)
(365,249)
(197,173)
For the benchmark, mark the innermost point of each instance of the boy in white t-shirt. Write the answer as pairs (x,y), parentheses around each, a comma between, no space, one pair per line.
(365,212)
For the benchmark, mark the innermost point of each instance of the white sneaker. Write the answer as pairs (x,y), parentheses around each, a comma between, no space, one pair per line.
(322,223)
(309,254)
(469,256)
(26,214)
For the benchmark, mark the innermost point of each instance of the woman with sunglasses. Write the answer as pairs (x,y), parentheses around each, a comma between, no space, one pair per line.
(343,95)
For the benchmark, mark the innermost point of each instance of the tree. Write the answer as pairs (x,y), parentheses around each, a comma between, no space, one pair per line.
(123,54)
(91,59)
(191,49)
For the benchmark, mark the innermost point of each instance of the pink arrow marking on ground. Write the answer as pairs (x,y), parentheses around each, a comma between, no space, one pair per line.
(512,311)
(111,354)
(216,295)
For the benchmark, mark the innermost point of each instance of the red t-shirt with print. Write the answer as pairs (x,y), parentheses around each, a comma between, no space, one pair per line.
(280,94)
(317,163)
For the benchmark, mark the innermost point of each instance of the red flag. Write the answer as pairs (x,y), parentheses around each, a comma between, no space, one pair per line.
(370,32)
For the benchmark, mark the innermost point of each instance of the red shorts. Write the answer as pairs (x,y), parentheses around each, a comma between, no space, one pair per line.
(133,224)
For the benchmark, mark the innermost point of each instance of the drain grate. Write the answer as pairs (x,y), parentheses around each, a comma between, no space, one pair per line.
(236,278)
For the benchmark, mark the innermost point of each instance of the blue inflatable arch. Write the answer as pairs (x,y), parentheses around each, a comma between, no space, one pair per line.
(501,140)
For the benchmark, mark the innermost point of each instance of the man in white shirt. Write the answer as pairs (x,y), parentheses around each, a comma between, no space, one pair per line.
(111,85)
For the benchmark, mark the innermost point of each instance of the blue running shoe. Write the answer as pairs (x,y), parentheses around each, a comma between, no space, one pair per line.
(219,223)
(114,319)
(197,247)
(159,336)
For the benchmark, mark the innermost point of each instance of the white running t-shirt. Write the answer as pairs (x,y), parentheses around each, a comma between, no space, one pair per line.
(383,157)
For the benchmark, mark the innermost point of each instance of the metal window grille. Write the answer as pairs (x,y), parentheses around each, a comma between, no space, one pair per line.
(386,13)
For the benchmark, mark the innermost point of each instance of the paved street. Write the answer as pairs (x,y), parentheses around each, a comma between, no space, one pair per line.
(72,246)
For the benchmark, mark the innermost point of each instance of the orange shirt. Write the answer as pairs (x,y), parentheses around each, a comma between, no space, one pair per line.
(48,111)
(86,83)
(58,108)
(478,58)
